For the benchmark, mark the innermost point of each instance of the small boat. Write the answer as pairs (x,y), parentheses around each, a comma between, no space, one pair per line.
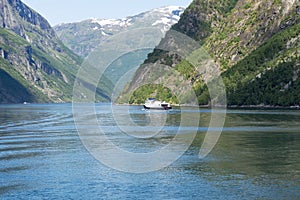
(152,103)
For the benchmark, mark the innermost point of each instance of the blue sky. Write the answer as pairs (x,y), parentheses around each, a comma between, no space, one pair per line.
(63,11)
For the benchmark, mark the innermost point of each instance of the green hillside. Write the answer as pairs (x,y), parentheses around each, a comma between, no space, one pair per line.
(35,65)
(254,43)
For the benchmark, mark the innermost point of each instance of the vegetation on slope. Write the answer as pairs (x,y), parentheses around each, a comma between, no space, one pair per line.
(255,43)
(269,75)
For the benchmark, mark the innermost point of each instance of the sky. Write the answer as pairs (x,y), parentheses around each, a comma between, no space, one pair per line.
(65,11)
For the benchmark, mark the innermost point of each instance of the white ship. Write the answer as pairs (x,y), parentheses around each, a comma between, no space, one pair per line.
(152,103)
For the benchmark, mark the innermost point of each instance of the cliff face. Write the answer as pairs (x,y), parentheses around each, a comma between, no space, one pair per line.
(248,26)
(250,40)
(32,57)
(27,23)
(14,10)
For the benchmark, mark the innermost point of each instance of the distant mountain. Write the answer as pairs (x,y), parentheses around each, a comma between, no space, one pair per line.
(83,37)
(255,44)
(35,66)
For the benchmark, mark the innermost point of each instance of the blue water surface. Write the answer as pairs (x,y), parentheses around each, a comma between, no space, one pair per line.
(42,157)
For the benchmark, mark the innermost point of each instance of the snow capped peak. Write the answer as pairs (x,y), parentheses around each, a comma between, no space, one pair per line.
(167,15)
(89,33)
(112,22)
(170,15)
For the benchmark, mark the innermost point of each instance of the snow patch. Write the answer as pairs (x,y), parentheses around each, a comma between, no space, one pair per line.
(169,9)
(165,21)
(171,16)
(103,33)
(112,22)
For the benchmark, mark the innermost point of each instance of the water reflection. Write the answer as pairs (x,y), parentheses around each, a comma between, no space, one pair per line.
(257,156)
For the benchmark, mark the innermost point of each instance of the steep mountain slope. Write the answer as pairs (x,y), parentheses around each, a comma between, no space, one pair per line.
(254,43)
(35,65)
(83,37)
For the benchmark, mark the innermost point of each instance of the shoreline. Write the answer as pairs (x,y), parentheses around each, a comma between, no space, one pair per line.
(263,107)
(296,107)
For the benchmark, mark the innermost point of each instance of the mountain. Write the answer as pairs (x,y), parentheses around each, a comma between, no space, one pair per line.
(254,46)
(83,37)
(35,66)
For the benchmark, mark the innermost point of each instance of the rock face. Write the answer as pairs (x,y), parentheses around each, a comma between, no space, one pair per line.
(83,37)
(35,62)
(13,10)
(21,19)
(251,41)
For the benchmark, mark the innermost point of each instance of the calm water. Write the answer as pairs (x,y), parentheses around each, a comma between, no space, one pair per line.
(42,157)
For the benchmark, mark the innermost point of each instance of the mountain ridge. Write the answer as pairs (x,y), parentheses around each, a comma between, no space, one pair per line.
(33,60)
(83,37)
(247,40)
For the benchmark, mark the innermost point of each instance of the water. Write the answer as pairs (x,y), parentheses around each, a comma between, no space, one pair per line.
(42,157)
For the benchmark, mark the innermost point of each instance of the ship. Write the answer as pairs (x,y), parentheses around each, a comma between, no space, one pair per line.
(152,103)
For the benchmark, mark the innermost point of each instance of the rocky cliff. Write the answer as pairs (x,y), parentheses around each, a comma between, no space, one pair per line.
(35,65)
